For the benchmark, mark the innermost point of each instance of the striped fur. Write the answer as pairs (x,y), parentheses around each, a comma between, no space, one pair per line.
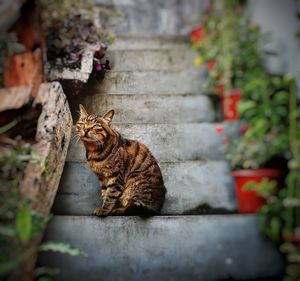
(131,180)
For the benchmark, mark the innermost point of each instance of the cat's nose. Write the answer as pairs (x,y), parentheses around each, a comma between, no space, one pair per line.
(86,131)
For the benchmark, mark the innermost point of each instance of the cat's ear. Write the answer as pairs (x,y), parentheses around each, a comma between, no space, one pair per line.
(109,115)
(83,112)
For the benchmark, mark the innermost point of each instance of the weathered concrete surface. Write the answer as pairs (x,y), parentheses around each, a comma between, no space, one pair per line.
(149,109)
(163,248)
(154,60)
(152,82)
(167,142)
(81,74)
(53,133)
(192,187)
(149,43)
(156,18)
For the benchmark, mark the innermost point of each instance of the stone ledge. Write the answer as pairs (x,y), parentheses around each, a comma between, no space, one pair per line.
(152,60)
(210,248)
(152,82)
(167,142)
(149,109)
(193,187)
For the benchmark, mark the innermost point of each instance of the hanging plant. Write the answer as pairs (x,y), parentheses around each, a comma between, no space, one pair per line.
(70,28)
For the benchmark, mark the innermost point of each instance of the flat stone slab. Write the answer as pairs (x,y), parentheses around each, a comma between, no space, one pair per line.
(152,60)
(149,109)
(152,82)
(210,248)
(82,74)
(156,43)
(167,142)
(193,187)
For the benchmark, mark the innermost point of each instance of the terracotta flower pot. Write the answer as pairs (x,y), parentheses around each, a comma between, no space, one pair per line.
(229,104)
(197,34)
(210,65)
(248,200)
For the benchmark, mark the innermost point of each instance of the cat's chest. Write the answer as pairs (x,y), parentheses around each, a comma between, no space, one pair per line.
(102,169)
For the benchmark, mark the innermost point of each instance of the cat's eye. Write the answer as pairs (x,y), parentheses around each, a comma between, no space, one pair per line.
(97,127)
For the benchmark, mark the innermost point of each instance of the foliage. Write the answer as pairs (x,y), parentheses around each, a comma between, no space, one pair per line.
(280,217)
(19,224)
(228,46)
(269,114)
(60,247)
(263,110)
(244,153)
(265,188)
(70,28)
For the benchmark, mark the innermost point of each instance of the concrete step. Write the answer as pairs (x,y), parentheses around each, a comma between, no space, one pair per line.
(156,43)
(152,108)
(167,142)
(152,60)
(194,187)
(152,82)
(210,248)
(153,18)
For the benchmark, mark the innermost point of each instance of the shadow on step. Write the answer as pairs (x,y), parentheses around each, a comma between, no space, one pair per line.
(206,209)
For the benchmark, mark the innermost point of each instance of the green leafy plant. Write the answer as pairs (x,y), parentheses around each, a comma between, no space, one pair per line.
(228,45)
(280,217)
(61,247)
(262,110)
(19,224)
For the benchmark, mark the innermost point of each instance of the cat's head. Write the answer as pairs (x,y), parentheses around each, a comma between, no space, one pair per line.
(94,128)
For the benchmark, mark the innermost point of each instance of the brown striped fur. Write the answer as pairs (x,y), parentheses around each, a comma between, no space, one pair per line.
(131,180)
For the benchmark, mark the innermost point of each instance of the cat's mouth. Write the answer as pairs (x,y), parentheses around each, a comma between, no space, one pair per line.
(88,139)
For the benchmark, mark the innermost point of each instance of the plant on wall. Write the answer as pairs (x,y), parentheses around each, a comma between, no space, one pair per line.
(20,225)
(70,28)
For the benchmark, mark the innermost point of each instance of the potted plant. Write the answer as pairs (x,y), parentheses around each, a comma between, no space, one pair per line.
(76,38)
(250,162)
(280,216)
(260,152)
(227,44)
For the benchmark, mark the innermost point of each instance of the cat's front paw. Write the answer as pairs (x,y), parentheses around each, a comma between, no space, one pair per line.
(100,212)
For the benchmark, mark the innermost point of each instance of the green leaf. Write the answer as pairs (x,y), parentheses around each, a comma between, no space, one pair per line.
(7,266)
(7,127)
(24,224)
(7,230)
(61,247)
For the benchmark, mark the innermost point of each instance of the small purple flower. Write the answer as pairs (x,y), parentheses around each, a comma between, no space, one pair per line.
(98,66)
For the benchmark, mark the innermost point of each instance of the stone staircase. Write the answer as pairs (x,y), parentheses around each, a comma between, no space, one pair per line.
(157,97)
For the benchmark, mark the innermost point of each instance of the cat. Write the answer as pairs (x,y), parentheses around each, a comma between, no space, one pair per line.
(131,180)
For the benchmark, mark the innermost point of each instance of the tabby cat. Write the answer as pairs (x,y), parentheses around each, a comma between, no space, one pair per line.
(131,180)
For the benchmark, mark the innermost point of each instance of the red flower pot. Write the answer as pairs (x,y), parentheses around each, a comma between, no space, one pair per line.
(210,65)
(248,200)
(197,34)
(229,104)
